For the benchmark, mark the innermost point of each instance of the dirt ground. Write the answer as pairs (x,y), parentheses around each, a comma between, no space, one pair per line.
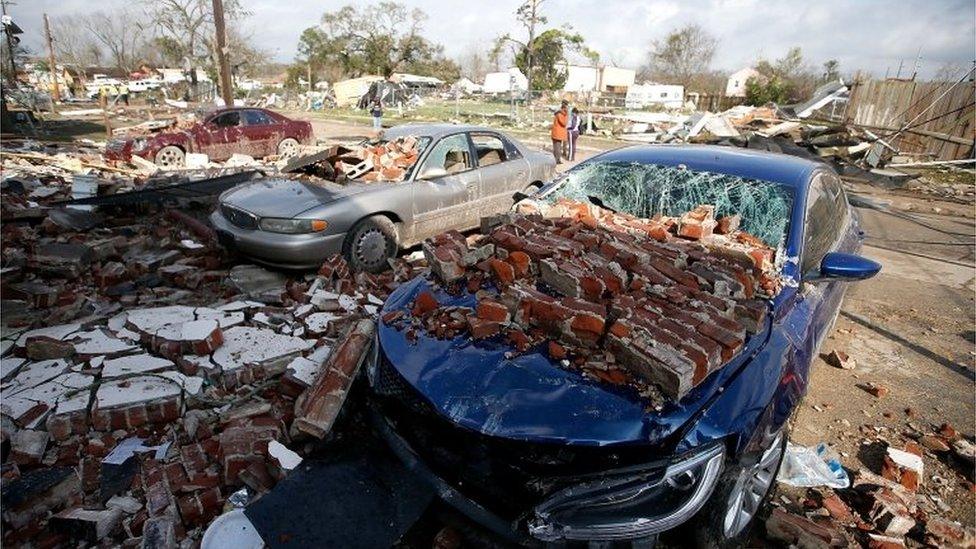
(909,329)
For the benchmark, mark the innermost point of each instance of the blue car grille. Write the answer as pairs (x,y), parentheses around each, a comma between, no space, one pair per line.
(239,218)
(507,476)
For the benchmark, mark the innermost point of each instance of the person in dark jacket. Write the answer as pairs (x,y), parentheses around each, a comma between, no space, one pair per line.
(376,111)
(573,131)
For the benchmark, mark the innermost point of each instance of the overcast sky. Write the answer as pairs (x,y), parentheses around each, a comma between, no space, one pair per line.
(872,35)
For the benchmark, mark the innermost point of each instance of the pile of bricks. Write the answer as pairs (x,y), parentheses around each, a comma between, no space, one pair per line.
(146,377)
(882,509)
(388,161)
(202,392)
(660,303)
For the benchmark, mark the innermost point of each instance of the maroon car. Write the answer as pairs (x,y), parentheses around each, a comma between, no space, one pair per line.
(245,130)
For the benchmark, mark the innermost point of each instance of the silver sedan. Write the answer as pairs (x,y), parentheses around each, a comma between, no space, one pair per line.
(462,174)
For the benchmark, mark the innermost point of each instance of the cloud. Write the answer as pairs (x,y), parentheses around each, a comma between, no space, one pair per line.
(870,35)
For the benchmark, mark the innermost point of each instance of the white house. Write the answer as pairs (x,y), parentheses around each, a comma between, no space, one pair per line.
(466,85)
(736,84)
(171,76)
(649,93)
(581,79)
(603,79)
(503,82)
(616,79)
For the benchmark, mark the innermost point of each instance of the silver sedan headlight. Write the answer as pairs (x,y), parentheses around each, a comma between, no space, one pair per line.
(633,505)
(292,226)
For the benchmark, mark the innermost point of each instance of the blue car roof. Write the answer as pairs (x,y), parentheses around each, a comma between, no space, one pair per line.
(791,171)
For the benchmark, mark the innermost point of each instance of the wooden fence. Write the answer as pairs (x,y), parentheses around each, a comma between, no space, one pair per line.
(939,115)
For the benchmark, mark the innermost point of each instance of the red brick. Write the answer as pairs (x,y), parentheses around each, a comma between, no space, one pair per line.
(556,351)
(424,303)
(482,329)
(489,309)
(504,273)
(521,263)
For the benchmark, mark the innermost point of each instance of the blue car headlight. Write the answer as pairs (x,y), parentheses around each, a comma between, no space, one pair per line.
(630,506)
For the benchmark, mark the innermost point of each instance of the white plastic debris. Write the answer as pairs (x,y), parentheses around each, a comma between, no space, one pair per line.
(288,459)
(808,467)
(232,529)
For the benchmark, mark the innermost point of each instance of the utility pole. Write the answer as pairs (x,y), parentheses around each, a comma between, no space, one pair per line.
(226,89)
(52,67)
(10,41)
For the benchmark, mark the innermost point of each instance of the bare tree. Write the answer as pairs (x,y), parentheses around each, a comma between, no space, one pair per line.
(184,30)
(684,54)
(74,46)
(120,32)
(474,64)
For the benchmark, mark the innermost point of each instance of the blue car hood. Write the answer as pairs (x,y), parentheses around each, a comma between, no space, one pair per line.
(485,387)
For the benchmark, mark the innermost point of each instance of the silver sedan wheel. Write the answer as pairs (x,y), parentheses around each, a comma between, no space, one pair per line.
(751,487)
(170,157)
(288,147)
(371,247)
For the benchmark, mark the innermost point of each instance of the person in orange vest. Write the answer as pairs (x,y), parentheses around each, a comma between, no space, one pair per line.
(559,134)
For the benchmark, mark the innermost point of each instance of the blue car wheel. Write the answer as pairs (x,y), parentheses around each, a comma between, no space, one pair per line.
(745,487)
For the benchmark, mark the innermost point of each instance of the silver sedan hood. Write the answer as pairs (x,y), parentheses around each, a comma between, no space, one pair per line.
(273,197)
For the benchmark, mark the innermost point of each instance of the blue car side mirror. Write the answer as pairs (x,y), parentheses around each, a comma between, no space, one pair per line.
(842,266)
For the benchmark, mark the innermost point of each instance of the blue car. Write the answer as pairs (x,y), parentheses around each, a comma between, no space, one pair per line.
(539,454)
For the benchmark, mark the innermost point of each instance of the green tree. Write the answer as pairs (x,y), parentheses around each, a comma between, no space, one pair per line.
(380,38)
(540,56)
(784,80)
(549,51)
(773,89)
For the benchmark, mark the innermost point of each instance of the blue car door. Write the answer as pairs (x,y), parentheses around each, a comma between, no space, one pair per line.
(828,226)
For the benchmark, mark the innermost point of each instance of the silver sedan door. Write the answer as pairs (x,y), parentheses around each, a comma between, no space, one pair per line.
(447,183)
(504,172)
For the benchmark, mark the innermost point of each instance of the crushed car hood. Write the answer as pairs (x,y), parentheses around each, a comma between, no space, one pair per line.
(485,387)
(276,197)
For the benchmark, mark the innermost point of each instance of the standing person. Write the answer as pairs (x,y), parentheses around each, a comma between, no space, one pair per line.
(124,93)
(558,133)
(573,131)
(376,110)
(113,93)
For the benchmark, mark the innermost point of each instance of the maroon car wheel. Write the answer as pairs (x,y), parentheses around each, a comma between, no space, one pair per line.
(287,147)
(170,156)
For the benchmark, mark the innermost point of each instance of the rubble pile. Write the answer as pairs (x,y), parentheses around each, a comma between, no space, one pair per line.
(656,303)
(889,507)
(379,161)
(853,151)
(146,377)
(142,424)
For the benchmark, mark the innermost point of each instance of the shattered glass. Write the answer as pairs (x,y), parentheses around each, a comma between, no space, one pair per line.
(645,190)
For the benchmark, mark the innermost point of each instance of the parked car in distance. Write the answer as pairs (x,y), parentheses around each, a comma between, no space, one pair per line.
(461,174)
(144,84)
(538,452)
(224,132)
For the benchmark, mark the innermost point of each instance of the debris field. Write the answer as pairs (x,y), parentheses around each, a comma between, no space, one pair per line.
(147,376)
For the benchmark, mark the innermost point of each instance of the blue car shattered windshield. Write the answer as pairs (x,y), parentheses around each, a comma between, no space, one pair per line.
(646,190)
